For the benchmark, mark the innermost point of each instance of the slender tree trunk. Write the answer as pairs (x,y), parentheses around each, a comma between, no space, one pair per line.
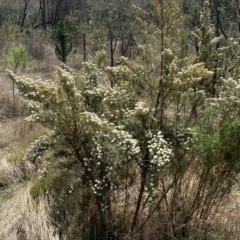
(42,4)
(139,201)
(122,46)
(84,48)
(219,24)
(238,11)
(159,95)
(56,13)
(24,13)
(144,174)
(111,51)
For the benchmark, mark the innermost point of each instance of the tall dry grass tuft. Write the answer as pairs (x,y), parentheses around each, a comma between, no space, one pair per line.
(12,131)
(16,135)
(24,218)
(13,172)
(226,223)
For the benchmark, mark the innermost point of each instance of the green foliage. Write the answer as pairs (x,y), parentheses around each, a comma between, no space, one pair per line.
(117,23)
(63,45)
(218,129)
(48,179)
(17,57)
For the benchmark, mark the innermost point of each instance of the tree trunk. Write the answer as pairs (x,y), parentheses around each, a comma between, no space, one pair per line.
(84,48)
(42,4)
(111,52)
(24,12)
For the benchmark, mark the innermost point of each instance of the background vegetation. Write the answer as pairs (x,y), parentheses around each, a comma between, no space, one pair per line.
(136,134)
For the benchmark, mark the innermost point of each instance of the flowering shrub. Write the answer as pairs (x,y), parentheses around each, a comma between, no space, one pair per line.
(137,144)
(105,145)
(92,123)
(37,148)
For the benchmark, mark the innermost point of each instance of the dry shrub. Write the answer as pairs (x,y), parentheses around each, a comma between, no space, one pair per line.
(44,67)
(74,60)
(35,46)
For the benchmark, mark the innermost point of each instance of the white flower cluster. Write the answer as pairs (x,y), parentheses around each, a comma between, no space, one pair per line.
(91,74)
(228,102)
(190,75)
(152,193)
(117,96)
(111,149)
(131,71)
(100,169)
(126,143)
(159,149)
(138,74)
(59,96)
(105,207)
(92,119)
(96,91)
(71,189)
(119,72)
(168,54)
(140,109)
(160,154)
(64,77)
(98,153)
(37,148)
(67,88)
(42,173)
(116,101)
(37,90)
(183,137)
(99,186)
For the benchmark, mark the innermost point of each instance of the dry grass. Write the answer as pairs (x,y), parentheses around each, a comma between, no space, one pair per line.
(7,108)
(11,172)
(23,218)
(16,135)
(12,131)
(227,221)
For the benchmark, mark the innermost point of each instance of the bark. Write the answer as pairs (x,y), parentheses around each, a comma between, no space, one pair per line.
(42,5)
(24,13)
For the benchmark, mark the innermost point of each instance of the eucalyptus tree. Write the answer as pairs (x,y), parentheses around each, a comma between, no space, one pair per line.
(51,11)
(17,13)
(80,24)
(116,19)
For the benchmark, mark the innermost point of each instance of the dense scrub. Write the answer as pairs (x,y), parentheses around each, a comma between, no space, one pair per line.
(147,148)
